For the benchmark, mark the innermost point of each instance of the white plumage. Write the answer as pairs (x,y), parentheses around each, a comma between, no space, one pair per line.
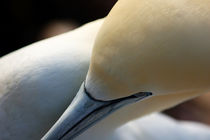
(38,82)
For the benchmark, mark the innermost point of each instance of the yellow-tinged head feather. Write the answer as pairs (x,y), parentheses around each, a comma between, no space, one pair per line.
(160,46)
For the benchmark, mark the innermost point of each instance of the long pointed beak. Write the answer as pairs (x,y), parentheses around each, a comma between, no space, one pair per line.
(85,111)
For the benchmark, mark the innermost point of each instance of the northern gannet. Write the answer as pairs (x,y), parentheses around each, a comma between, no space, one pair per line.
(157,47)
(32,97)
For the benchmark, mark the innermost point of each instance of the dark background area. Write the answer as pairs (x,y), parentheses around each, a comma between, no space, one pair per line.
(22,21)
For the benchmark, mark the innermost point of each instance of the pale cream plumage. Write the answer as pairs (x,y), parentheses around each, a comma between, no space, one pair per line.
(160,46)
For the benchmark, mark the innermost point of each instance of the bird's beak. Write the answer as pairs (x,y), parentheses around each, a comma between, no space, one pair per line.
(85,111)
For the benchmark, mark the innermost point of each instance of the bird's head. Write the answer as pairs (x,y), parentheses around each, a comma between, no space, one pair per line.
(144,46)
(161,46)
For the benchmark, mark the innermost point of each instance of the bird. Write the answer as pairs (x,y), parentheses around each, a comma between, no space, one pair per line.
(143,48)
(29,80)
(35,69)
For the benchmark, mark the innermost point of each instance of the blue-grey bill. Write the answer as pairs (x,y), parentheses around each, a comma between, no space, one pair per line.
(85,111)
